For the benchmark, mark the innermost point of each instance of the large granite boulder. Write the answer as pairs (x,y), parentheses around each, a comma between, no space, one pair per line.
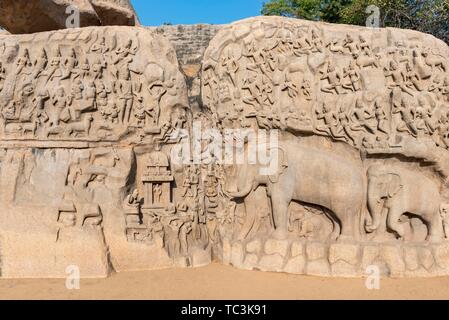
(106,165)
(29,16)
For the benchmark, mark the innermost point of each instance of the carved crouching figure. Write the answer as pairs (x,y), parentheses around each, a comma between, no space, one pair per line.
(401,191)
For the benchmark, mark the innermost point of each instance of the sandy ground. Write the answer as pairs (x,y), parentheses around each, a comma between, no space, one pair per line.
(219,282)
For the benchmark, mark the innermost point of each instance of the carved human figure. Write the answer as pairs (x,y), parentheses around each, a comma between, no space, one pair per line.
(424,112)
(350,44)
(344,121)
(69,64)
(413,80)
(408,115)
(353,76)
(60,110)
(335,78)
(54,68)
(124,89)
(398,76)
(98,66)
(363,116)
(381,116)
(23,63)
(40,64)
(100,46)
(131,205)
(444,212)
(330,120)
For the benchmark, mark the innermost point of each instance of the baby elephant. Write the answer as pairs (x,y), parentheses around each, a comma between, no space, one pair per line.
(402,191)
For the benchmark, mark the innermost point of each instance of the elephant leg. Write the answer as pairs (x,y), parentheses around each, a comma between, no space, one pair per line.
(435,228)
(280,217)
(394,215)
(347,224)
(336,229)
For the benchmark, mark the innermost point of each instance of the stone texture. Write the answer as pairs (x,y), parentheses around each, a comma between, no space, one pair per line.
(411,258)
(251,262)
(344,252)
(392,255)
(273,263)
(319,268)
(297,249)
(190,42)
(276,247)
(315,251)
(441,253)
(296,265)
(93,122)
(254,246)
(237,254)
(29,16)
(426,258)
(343,269)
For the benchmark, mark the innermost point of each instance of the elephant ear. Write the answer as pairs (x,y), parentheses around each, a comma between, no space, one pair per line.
(394,185)
(283,165)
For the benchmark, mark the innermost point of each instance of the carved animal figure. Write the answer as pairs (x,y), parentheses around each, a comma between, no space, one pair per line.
(81,126)
(364,61)
(402,191)
(311,176)
(30,127)
(435,61)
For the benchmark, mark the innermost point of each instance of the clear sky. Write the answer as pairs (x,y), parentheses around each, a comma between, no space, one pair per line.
(157,12)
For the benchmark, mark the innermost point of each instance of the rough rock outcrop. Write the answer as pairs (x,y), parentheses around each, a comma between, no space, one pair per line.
(29,16)
(286,145)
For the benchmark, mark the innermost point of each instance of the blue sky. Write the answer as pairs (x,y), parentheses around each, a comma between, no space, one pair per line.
(157,12)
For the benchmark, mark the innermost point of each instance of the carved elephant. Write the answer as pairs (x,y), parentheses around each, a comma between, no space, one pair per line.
(312,176)
(402,191)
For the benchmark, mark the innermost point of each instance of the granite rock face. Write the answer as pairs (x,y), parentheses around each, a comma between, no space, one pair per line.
(120,149)
(29,16)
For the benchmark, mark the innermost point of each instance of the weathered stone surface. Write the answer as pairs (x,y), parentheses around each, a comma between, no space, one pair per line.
(411,258)
(273,263)
(392,256)
(344,252)
(276,247)
(441,254)
(316,251)
(29,16)
(426,258)
(296,265)
(237,254)
(100,148)
(342,268)
(254,246)
(297,249)
(318,268)
(251,261)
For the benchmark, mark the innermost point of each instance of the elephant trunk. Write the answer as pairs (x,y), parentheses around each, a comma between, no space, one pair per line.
(241,194)
(375,208)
